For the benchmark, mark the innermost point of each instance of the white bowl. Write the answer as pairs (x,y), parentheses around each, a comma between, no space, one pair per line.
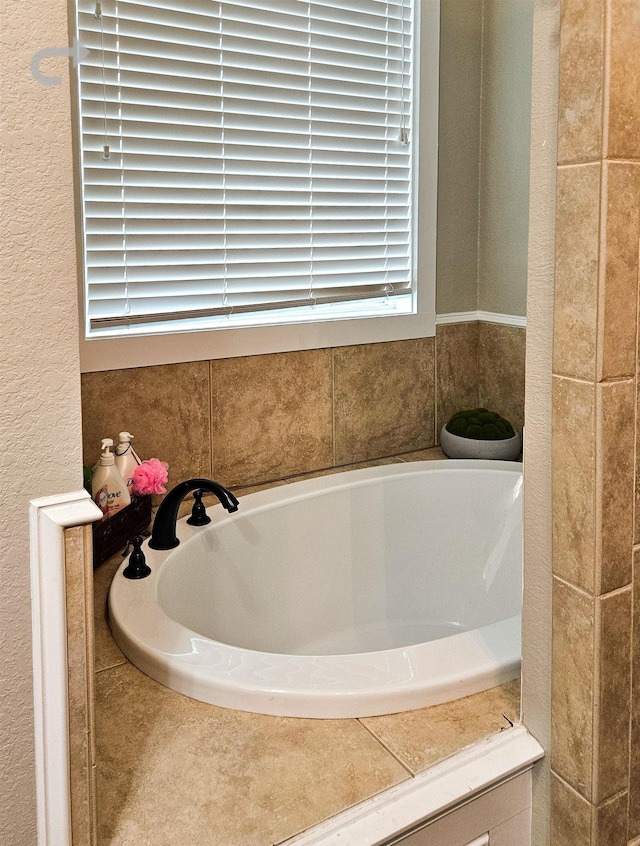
(507,449)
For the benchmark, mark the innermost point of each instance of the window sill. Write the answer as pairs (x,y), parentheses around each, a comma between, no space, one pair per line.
(145,350)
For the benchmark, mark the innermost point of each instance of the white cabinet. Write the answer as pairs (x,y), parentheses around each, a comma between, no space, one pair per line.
(499,817)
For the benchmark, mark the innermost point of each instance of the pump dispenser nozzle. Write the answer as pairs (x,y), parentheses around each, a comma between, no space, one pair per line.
(106,457)
(126,458)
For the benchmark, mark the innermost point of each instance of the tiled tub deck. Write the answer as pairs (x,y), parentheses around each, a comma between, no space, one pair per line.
(172,770)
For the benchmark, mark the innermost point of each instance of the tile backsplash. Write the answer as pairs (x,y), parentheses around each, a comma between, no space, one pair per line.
(249,420)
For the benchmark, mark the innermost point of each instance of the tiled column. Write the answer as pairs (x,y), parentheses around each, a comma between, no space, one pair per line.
(82,753)
(594,756)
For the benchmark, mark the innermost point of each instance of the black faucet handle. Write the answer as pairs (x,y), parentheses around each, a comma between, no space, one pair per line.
(164,534)
(199,515)
(137,568)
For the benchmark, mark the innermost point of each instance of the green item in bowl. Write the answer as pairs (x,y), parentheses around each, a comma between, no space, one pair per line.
(481,425)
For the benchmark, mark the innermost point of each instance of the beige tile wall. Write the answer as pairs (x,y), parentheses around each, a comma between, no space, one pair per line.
(457,368)
(245,421)
(501,370)
(81,682)
(595,750)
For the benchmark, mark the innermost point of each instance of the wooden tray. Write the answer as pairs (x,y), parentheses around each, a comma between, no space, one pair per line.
(113,534)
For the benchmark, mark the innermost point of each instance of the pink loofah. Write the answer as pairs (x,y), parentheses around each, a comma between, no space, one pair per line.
(150,477)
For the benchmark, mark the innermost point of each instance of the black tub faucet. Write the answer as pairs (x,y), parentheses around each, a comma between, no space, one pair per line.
(163,535)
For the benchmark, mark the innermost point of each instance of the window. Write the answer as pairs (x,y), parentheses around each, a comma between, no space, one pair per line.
(247,164)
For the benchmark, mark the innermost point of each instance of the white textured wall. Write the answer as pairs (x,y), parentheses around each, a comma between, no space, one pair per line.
(504,159)
(459,155)
(40,383)
(483,167)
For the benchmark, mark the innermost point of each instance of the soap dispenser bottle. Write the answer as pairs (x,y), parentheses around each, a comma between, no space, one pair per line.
(126,459)
(107,485)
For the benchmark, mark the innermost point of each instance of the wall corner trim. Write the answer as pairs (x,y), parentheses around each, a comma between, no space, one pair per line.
(481,316)
(48,518)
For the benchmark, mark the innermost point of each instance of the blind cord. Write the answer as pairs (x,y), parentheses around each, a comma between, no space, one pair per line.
(404,135)
(312,295)
(105,147)
(123,182)
(225,246)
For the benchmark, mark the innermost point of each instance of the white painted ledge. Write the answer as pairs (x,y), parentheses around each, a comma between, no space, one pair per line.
(430,794)
(48,518)
(482,316)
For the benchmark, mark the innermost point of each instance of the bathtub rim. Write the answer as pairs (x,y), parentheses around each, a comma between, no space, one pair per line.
(171,661)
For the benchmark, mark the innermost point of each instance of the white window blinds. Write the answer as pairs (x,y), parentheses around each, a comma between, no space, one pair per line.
(245,162)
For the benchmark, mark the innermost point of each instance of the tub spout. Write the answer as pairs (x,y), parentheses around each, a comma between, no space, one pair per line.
(164,535)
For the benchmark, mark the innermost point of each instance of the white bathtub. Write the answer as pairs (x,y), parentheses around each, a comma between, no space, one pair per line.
(355,594)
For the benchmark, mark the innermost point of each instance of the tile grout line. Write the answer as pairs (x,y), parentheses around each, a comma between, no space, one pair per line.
(436,386)
(478,364)
(588,595)
(210,392)
(573,790)
(613,798)
(385,747)
(605,77)
(583,380)
(633,632)
(633,681)
(569,786)
(601,260)
(333,407)
(586,163)
(596,703)
(90,684)
(122,663)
